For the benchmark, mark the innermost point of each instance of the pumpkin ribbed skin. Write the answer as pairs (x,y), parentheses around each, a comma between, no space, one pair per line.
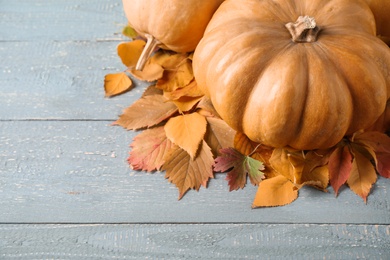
(381,10)
(281,93)
(177,24)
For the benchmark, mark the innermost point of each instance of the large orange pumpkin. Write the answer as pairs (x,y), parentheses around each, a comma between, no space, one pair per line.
(381,10)
(286,81)
(176,25)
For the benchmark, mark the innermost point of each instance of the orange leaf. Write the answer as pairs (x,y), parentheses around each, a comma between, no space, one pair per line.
(129,52)
(276,191)
(117,83)
(363,175)
(340,166)
(378,141)
(150,72)
(187,173)
(218,135)
(149,149)
(191,90)
(178,73)
(187,131)
(146,112)
(315,169)
(288,163)
(383,165)
(247,147)
(186,103)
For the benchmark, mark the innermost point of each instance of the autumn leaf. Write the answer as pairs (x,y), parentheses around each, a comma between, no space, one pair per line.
(187,131)
(149,149)
(340,166)
(146,112)
(191,90)
(276,191)
(206,107)
(238,167)
(315,170)
(379,143)
(129,52)
(383,164)
(362,176)
(117,83)
(247,147)
(177,73)
(128,31)
(288,163)
(218,134)
(151,72)
(186,103)
(187,173)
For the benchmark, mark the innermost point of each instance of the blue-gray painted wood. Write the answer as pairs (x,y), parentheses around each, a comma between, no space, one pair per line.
(61,162)
(219,241)
(76,172)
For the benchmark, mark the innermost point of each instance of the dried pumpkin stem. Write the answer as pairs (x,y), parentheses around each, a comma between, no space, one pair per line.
(151,44)
(304,29)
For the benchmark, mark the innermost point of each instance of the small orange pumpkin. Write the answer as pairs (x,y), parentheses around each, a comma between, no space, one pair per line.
(381,10)
(176,25)
(305,84)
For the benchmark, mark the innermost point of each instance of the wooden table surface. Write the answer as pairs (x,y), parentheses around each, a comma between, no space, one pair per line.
(67,192)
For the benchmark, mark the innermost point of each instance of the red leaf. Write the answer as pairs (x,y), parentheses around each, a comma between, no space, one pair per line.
(240,166)
(149,149)
(383,164)
(340,166)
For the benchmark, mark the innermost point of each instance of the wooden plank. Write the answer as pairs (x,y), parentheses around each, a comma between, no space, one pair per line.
(217,241)
(60,80)
(43,20)
(76,172)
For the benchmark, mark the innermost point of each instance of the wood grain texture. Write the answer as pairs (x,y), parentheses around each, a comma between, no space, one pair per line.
(219,241)
(52,20)
(76,172)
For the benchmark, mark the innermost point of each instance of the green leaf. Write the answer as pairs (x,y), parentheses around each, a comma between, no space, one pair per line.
(128,31)
(238,167)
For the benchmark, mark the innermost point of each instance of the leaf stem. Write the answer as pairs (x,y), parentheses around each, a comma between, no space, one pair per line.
(151,44)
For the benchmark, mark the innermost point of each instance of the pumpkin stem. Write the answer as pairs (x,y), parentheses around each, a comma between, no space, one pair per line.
(304,29)
(151,44)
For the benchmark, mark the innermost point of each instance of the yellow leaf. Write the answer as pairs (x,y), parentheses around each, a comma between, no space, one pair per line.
(363,175)
(191,90)
(187,131)
(187,173)
(117,83)
(276,191)
(129,52)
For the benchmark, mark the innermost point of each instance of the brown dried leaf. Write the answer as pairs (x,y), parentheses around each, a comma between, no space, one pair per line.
(187,131)
(146,112)
(117,83)
(218,134)
(129,52)
(206,108)
(276,191)
(149,149)
(363,175)
(187,173)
